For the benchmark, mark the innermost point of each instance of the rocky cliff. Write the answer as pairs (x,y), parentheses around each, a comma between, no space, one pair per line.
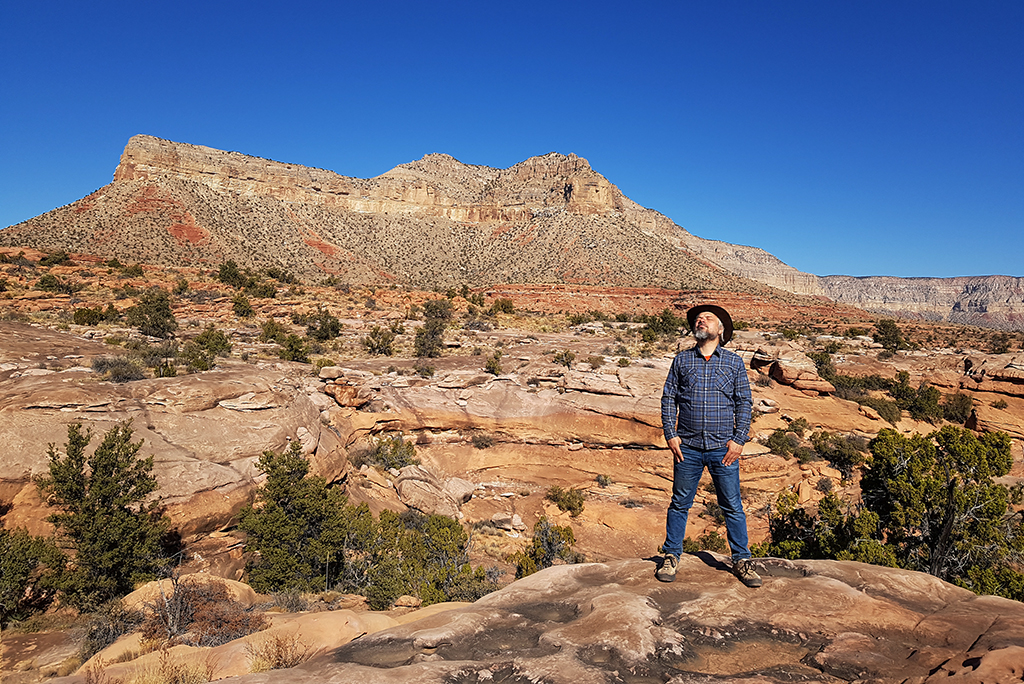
(993,301)
(438,222)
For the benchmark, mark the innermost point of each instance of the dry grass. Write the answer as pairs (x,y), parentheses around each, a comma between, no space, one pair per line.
(277,652)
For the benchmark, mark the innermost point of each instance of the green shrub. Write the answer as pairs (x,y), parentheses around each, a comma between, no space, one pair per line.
(181,287)
(195,357)
(502,305)
(87,316)
(430,338)
(30,569)
(564,358)
(293,348)
(999,404)
(51,283)
(392,451)
(323,325)
(241,306)
(272,331)
(570,500)
(493,365)
(117,368)
(623,362)
(782,442)
(103,516)
(60,258)
(214,341)
(424,370)
(889,335)
(261,290)
(603,480)
(152,315)
(379,341)
(550,543)
(957,407)
(482,440)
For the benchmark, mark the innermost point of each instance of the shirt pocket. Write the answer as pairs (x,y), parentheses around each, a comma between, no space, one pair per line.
(723,380)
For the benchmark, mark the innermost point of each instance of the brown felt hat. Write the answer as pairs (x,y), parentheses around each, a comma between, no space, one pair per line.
(723,315)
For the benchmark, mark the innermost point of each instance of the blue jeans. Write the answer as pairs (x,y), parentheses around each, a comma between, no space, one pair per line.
(686,477)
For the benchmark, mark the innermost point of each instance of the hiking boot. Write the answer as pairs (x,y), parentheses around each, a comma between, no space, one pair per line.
(667,571)
(744,571)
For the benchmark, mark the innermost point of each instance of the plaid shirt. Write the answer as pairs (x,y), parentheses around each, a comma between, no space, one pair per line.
(706,402)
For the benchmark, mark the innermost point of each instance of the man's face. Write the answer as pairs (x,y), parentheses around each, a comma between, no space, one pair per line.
(707,326)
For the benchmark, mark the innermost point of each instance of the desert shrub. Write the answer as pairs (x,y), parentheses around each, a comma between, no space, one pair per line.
(241,306)
(154,356)
(595,361)
(231,275)
(30,569)
(710,540)
(843,452)
(290,600)
(152,314)
(280,275)
(790,333)
(430,338)
(888,410)
(482,440)
(293,348)
(277,652)
(51,283)
(824,485)
(4,284)
(106,625)
(195,357)
(214,341)
(132,271)
(392,451)
(323,325)
(824,364)
(118,368)
(102,514)
(502,305)
(424,370)
(493,364)
(87,316)
(198,613)
(181,287)
(799,427)
(782,442)
(564,358)
(999,404)
(379,341)
(957,407)
(624,361)
(260,289)
(272,331)
(549,543)
(570,500)
(60,258)
(889,335)
(603,480)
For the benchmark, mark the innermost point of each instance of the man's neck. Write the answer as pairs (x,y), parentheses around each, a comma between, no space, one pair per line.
(708,346)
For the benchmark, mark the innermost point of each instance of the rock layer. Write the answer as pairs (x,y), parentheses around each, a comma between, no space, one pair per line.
(812,620)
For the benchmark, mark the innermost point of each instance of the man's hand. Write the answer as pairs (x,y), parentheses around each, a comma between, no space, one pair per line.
(677,453)
(734,452)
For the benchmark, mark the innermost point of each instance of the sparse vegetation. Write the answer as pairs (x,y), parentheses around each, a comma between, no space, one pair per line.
(379,341)
(152,315)
(550,543)
(570,500)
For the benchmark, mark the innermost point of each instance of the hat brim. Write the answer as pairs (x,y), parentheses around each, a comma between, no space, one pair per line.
(723,315)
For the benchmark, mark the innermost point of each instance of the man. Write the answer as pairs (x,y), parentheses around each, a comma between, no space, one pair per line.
(705,413)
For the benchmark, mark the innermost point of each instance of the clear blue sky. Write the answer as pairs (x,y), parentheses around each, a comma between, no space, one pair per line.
(859,138)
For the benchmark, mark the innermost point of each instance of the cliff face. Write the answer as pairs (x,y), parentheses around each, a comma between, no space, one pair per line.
(435,222)
(993,301)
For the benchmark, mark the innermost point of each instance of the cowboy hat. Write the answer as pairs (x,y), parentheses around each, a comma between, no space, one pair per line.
(723,315)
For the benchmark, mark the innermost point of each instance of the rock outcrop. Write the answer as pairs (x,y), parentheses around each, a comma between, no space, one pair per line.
(824,621)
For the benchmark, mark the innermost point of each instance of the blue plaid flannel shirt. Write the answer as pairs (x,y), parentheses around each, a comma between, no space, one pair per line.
(706,402)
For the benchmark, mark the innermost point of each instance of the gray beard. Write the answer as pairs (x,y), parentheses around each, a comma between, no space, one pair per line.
(701,334)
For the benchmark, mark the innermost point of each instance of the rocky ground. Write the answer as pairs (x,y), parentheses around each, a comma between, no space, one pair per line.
(490,446)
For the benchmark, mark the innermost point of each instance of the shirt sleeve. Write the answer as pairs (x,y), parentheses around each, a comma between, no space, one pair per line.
(743,402)
(669,409)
